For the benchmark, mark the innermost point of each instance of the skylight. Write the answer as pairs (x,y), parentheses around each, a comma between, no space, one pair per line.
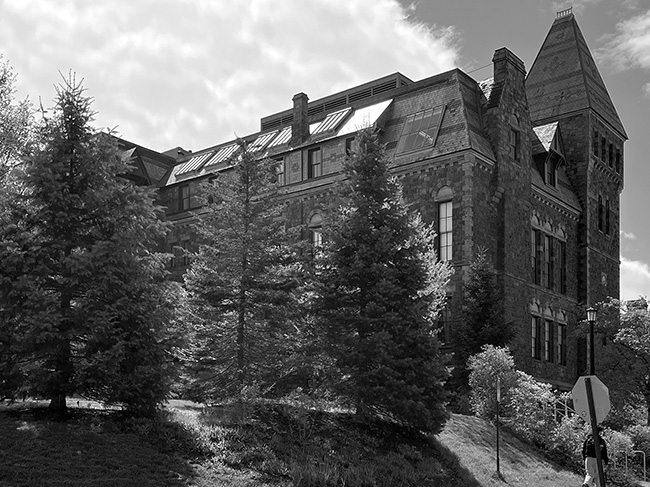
(332,121)
(420,130)
(223,154)
(261,141)
(282,138)
(194,163)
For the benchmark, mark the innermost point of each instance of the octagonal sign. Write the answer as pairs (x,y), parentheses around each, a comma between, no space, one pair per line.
(601,398)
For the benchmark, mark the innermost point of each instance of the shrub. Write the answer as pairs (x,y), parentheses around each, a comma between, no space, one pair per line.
(484,368)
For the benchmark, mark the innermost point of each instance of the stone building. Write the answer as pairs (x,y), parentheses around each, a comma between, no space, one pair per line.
(526,166)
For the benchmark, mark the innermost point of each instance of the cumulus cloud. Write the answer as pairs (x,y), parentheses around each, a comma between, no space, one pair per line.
(195,72)
(627,235)
(630,46)
(635,279)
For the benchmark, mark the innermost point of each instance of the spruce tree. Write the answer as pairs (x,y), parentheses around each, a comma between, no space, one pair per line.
(242,283)
(82,293)
(380,288)
(482,321)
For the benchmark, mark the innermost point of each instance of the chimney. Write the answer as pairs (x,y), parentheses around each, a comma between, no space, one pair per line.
(507,66)
(300,124)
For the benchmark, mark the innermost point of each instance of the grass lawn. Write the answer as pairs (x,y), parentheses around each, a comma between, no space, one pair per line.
(262,444)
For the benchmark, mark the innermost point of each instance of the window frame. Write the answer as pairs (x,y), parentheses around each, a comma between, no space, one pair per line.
(412,128)
(561,345)
(445,230)
(314,169)
(184,201)
(535,337)
(549,349)
(514,144)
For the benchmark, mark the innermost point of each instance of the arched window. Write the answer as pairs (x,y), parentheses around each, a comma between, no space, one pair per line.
(445,223)
(316,230)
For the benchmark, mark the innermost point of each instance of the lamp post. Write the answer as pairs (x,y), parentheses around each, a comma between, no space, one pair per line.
(591,318)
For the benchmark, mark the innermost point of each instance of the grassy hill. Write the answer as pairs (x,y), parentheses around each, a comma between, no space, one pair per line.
(256,445)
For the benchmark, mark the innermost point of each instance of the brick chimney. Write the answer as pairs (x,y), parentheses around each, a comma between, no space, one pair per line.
(300,124)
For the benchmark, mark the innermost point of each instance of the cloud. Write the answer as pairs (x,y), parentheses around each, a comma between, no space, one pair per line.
(635,279)
(630,47)
(195,72)
(578,6)
(628,235)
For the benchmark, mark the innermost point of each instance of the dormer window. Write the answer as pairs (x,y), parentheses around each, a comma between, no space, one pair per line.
(420,130)
(550,172)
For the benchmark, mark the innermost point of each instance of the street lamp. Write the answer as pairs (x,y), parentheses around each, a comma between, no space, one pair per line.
(591,318)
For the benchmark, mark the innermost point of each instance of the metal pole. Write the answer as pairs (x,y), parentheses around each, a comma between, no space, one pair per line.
(592,352)
(498,401)
(594,431)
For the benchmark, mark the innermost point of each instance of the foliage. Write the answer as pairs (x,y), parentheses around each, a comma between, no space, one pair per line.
(243,283)
(84,307)
(16,123)
(482,322)
(380,287)
(623,353)
(484,368)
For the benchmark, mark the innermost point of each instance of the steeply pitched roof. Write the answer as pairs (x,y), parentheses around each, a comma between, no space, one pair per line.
(564,78)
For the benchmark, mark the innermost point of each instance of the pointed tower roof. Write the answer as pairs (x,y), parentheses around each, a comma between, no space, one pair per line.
(564,78)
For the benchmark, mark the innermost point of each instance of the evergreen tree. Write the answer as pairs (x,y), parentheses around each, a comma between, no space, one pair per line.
(380,289)
(482,322)
(242,283)
(84,304)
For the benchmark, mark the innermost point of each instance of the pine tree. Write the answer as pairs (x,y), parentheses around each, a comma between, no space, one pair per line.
(482,321)
(242,283)
(83,295)
(380,289)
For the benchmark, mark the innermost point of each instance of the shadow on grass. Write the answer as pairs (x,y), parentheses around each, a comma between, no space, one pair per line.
(89,448)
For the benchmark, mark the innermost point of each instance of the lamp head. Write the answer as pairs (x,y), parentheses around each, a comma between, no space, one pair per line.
(591,314)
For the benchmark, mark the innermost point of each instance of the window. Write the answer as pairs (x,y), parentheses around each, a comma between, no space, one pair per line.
(601,221)
(536,255)
(514,144)
(280,171)
(180,256)
(562,266)
(549,262)
(184,197)
(561,344)
(535,344)
(314,163)
(316,230)
(184,253)
(607,212)
(172,250)
(610,158)
(603,149)
(445,214)
(550,172)
(618,160)
(444,325)
(349,146)
(548,341)
(594,147)
(420,130)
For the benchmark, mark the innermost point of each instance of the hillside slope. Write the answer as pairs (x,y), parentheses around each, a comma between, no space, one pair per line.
(473,441)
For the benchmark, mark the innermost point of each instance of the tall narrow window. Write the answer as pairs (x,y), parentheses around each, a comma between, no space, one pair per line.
(601,222)
(549,255)
(561,344)
(549,352)
(420,130)
(594,142)
(314,163)
(280,171)
(618,160)
(349,146)
(603,149)
(514,144)
(537,253)
(316,230)
(551,179)
(184,197)
(444,325)
(445,218)
(173,262)
(607,212)
(535,333)
(610,158)
(563,267)
(184,253)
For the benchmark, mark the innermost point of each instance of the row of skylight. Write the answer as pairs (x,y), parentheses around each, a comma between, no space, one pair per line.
(361,118)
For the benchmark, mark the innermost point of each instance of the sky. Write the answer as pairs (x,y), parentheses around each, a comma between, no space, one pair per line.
(195,73)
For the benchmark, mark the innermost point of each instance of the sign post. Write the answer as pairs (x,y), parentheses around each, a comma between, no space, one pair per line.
(591,401)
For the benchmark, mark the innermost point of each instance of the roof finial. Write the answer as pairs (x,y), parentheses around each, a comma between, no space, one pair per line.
(565,13)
